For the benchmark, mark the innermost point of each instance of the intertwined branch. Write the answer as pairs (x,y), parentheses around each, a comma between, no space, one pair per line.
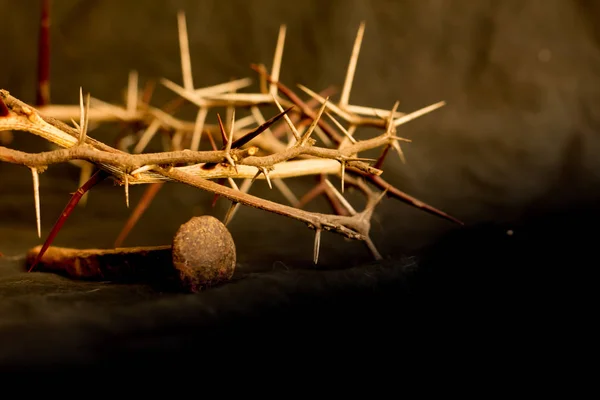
(267,151)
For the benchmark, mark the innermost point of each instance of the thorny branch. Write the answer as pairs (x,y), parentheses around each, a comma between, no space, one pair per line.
(247,153)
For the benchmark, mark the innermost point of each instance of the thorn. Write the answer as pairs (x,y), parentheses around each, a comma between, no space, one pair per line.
(233,184)
(345,96)
(198,127)
(229,214)
(341,198)
(213,145)
(184,48)
(373,249)
(127,190)
(235,206)
(368,211)
(262,71)
(323,136)
(147,136)
(230,139)
(222,130)
(397,147)
(301,104)
(343,173)
(390,129)
(98,177)
(227,141)
(409,117)
(276,69)
(344,130)
(36,198)
(84,115)
(381,158)
(314,123)
(344,114)
(132,92)
(263,127)
(287,119)
(264,171)
(317,246)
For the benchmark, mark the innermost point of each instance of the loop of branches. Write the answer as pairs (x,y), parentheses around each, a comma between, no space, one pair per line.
(267,151)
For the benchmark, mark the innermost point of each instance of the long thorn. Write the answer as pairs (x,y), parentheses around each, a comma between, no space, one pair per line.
(184,48)
(198,127)
(345,96)
(406,198)
(266,173)
(409,117)
(341,127)
(231,128)
(98,177)
(341,198)
(317,245)
(343,173)
(276,69)
(224,137)
(245,187)
(373,249)
(132,92)
(314,123)
(36,198)
(287,120)
(263,127)
(127,190)
(147,136)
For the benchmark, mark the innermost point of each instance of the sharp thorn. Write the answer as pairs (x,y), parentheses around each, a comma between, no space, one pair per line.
(345,96)
(264,171)
(343,173)
(373,249)
(127,190)
(317,246)
(36,198)
(341,198)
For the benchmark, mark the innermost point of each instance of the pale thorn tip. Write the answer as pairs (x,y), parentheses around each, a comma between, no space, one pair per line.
(264,171)
(287,118)
(127,190)
(341,198)
(317,245)
(314,123)
(36,198)
(132,92)
(276,68)
(184,49)
(345,96)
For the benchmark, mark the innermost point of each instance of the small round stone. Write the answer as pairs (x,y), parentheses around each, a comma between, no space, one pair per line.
(203,253)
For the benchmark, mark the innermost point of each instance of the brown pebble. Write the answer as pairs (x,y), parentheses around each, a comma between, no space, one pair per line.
(204,253)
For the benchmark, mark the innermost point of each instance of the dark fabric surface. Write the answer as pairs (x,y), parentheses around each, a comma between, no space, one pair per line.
(515,148)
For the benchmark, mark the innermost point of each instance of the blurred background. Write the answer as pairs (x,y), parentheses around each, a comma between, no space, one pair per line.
(517,141)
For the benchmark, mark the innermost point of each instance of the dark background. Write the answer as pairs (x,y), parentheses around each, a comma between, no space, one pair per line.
(514,148)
